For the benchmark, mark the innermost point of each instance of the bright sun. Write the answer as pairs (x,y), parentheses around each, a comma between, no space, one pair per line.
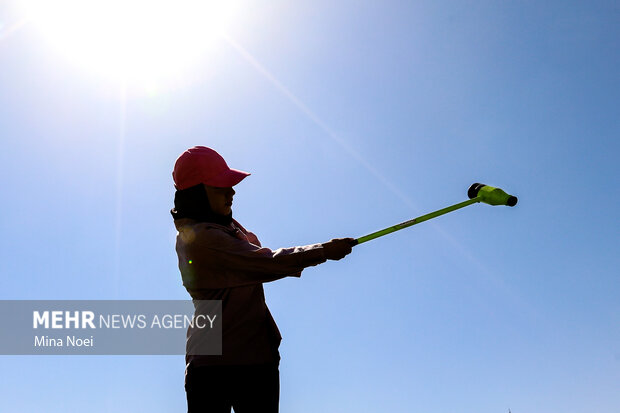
(140,41)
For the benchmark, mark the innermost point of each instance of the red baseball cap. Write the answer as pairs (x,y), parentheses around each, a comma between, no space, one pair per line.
(202,165)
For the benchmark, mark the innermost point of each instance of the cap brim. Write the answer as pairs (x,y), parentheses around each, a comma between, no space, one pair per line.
(228,178)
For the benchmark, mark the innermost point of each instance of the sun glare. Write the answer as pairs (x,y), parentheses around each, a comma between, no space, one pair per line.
(140,41)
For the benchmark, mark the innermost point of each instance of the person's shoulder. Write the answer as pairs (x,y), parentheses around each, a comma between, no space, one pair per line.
(205,233)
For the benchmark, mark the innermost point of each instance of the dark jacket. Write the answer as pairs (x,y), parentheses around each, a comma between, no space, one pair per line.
(228,263)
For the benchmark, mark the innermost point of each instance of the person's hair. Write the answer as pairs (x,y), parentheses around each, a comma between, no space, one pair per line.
(193,203)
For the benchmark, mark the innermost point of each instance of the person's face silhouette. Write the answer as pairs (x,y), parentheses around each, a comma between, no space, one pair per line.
(220,199)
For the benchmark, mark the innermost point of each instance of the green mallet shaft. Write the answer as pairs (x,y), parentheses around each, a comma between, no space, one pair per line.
(417,220)
(477,192)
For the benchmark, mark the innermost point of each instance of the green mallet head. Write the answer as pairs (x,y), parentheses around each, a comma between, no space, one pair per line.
(490,195)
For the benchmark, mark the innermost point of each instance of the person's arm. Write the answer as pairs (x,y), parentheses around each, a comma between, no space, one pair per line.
(211,258)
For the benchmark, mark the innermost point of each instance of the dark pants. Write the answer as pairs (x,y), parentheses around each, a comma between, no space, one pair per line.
(253,388)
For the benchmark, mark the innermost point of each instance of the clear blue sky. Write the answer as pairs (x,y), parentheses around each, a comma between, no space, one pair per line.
(351,116)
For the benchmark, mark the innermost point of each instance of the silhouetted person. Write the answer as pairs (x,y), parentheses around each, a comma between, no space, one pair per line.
(221,260)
